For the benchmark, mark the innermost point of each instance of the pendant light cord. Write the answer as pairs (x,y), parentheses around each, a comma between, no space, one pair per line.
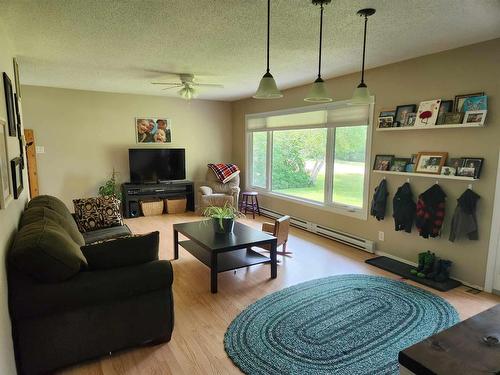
(364,48)
(268,30)
(320,40)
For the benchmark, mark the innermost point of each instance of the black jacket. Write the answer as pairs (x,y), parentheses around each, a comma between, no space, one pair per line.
(464,219)
(404,208)
(379,201)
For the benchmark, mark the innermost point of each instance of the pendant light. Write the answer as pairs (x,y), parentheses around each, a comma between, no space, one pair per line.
(267,86)
(361,94)
(319,92)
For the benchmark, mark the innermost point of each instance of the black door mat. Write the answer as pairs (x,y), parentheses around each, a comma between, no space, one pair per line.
(403,269)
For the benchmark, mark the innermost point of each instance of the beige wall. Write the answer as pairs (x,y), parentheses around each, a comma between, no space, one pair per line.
(443,75)
(9,218)
(86,134)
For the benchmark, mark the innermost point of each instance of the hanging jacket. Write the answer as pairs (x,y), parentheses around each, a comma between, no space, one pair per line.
(379,201)
(404,208)
(464,221)
(430,212)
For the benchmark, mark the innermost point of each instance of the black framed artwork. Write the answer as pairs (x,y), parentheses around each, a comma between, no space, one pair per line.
(17,176)
(402,111)
(9,103)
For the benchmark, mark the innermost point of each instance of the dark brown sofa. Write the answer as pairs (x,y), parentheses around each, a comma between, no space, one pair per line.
(70,300)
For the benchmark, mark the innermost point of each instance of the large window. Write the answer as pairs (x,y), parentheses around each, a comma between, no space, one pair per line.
(316,155)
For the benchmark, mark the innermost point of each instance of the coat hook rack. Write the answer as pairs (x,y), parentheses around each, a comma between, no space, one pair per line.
(408,180)
(437,182)
(469,186)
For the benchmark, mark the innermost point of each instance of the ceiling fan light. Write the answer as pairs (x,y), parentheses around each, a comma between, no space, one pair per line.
(361,95)
(187,93)
(268,88)
(318,93)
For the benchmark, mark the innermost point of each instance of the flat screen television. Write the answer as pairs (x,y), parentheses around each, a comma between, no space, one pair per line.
(156,165)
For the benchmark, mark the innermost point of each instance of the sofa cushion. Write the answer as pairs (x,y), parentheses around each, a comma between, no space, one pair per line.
(51,202)
(97,213)
(31,299)
(46,252)
(122,252)
(106,234)
(34,214)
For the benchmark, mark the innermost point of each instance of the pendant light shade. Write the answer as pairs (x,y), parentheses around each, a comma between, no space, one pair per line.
(319,93)
(187,92)
(361,93)
(267,86)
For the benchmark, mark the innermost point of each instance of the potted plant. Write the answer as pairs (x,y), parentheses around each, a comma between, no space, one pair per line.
(111,187)
(223,217)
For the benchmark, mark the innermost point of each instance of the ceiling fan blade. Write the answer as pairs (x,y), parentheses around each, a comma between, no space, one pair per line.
(208,84)
(171,87)
(167,83)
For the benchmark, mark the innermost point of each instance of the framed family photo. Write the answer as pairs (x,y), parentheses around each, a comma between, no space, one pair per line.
(402,111)
(458,105)
(17,177)
(430,162)
(471,167)
(153,130)
(6,191)
(383,162)
(475,117)
(9,103)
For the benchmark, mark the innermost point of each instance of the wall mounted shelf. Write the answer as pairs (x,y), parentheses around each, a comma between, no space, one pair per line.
(433,127)
(434,176)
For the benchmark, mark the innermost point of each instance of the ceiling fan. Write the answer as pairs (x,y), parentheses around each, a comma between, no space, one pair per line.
(187,85)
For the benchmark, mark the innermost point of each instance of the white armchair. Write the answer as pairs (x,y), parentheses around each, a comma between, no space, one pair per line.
(215,193)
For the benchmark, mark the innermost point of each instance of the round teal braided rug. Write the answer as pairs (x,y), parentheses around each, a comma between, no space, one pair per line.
(348,324)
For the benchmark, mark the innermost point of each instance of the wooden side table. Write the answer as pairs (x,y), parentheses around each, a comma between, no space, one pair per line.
(252,205)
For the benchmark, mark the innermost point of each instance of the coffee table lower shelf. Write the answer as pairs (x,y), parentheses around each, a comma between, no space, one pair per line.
(226,261)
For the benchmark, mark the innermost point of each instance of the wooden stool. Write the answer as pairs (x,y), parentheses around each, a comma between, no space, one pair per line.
(253,205)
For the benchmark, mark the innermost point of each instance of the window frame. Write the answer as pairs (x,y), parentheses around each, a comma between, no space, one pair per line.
(328,204)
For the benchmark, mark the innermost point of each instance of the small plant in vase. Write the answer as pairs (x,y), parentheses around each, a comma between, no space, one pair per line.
(223,217)
(111,187)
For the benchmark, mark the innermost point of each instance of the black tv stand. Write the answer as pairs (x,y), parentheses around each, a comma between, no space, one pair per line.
(132,194)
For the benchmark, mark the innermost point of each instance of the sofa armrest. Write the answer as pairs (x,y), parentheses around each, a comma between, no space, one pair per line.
(206,190)
(122,252)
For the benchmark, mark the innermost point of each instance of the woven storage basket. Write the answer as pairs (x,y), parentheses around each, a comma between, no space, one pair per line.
(175,205)
(152,208)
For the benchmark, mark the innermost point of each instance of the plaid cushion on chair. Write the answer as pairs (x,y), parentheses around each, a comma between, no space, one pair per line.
(224,172)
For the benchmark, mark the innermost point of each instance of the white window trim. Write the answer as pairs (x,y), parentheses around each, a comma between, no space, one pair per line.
(352,211)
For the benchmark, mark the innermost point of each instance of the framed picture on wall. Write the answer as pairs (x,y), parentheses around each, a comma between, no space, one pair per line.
(383,162)
(6,191)
(16,78)
(153,130)
(9,103)
(401,113)
(460,100)
(17,176)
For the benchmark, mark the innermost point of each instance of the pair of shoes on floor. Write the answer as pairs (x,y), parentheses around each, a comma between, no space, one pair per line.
(430,267)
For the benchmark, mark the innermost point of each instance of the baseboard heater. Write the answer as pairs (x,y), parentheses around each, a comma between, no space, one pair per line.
(342,237)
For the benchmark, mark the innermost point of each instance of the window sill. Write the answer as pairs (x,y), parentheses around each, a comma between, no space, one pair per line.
(357,213)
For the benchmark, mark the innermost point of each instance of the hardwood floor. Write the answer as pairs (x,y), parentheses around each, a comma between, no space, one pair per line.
(201,318)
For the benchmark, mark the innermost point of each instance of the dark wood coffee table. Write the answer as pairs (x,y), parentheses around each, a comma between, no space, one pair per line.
(224,252)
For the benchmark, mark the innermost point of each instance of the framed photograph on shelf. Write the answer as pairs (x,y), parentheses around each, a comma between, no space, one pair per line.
(410,119)
(427,112)
(383,162)
(448,171)
(385,122)
(399,164)
(391,113)
(475,117)
(153,130)
(474,163)
(401,111)
(475,103)
(453,118)
(460,99)
(445,107)
(17,176)
(6,190)
(430,162)
(16,78)
(9,103)
(455,163)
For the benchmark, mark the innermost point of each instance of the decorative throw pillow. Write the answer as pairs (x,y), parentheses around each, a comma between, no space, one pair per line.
(97,213)
(224,172)
(122,251)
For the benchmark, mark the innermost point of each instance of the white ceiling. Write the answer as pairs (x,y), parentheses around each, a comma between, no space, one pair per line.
(122,46)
